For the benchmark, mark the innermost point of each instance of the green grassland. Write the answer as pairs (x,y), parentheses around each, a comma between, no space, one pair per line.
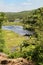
(12,23)
(12,39)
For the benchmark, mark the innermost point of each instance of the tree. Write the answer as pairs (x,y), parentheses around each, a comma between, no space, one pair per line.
(37,55)
(1,36)
(24,44)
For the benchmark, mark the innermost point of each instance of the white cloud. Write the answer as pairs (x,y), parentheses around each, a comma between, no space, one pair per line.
(26,3)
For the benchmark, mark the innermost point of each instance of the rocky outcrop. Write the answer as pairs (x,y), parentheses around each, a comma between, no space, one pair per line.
(19,61)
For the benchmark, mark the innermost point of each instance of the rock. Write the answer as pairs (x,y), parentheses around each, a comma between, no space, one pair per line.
(3,55)
(4,60)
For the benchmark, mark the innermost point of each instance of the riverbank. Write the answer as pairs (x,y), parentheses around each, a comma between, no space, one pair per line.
(12,23)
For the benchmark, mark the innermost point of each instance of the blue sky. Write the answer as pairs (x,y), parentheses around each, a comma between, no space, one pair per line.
(19,5)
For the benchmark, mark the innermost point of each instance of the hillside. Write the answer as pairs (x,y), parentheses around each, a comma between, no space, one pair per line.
(30,46)
(22,14)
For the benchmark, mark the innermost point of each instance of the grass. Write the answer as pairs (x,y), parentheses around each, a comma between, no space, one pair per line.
(12,39)
(12,23)
(8,23)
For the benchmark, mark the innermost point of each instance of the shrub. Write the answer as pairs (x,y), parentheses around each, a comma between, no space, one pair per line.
(37,55)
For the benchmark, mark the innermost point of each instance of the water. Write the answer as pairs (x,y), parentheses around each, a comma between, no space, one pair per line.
(17,29)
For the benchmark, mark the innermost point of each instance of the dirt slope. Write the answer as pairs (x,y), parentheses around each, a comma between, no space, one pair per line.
(4,60)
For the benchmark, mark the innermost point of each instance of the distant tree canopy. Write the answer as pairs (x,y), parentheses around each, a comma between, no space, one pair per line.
(27,16)
(37,15)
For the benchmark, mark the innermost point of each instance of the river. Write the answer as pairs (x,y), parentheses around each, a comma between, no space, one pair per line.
(17,29)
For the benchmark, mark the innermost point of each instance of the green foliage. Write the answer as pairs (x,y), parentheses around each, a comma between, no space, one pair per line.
(26,54)
(37,55)
(15,54)
(1,37)
(11,55)
(1,45)
(35,23)
(32,21)
(24,44)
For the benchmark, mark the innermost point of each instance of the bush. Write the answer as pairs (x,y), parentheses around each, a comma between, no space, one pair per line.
(11,55)
(37,55)
(2,45)
(15,55)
